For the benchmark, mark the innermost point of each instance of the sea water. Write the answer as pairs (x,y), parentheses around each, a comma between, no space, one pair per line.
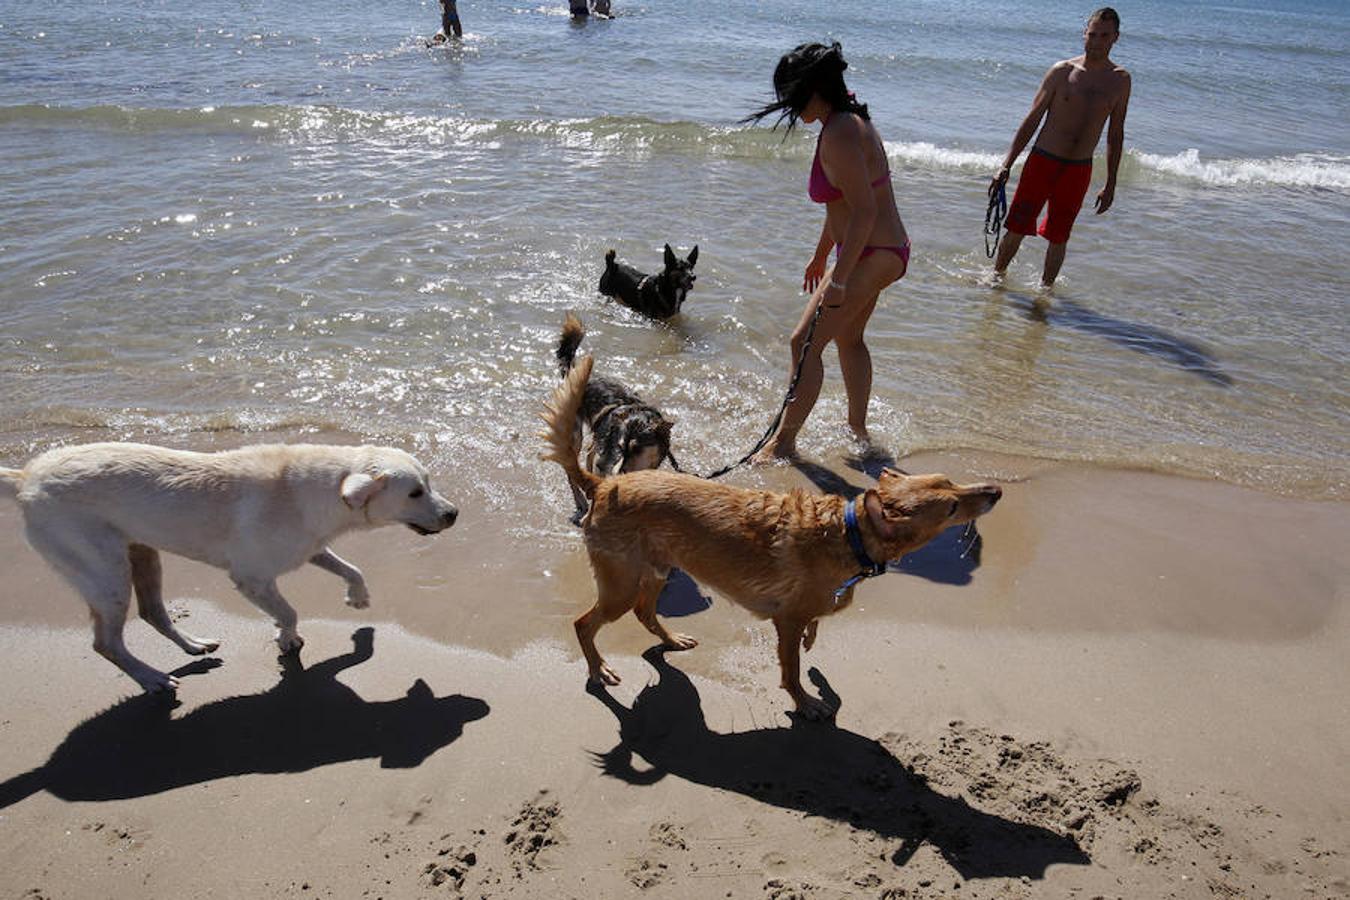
(228,222)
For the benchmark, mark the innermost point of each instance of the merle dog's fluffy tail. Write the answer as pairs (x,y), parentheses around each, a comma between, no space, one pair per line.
(561,434)
(568,342)
(11,480)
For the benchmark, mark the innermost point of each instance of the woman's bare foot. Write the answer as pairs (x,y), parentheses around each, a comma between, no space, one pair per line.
(775,452)
(861,437)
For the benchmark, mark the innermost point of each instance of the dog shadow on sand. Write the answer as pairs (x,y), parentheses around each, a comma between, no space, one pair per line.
(309,719)
(950,558)
(820,770)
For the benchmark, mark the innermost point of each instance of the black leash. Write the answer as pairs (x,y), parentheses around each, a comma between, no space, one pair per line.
(994,216)
(773,426)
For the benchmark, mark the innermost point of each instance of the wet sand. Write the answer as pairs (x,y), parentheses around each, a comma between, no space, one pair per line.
(1133,686)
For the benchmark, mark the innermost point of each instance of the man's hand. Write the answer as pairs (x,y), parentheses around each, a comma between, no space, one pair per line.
(1000,177)
(1104,198)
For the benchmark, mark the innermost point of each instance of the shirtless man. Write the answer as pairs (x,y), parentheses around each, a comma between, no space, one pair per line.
(1076,98)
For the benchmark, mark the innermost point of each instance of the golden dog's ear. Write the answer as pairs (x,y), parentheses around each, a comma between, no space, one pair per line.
(876,514)
(358,488)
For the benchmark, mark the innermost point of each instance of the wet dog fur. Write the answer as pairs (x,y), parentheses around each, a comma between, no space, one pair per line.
(627,434)
(781,556)
(101,513)
(657,296)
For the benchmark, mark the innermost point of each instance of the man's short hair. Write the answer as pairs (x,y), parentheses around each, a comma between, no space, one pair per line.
(1108,14)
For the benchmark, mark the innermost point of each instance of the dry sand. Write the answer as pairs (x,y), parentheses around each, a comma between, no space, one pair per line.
(1136,687)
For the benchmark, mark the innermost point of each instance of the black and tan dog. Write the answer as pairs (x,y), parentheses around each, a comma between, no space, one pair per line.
(627,434)
(788,557)
(656,296)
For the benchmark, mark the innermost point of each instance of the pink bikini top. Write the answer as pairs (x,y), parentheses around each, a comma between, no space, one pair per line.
(818,187)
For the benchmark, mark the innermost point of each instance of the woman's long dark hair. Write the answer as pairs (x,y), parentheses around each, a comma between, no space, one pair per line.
(805,70)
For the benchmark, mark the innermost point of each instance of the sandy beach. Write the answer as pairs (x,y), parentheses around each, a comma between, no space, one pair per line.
(238,223)
(1134,687)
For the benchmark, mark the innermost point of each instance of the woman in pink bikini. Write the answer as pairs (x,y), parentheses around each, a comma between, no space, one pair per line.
(850,175)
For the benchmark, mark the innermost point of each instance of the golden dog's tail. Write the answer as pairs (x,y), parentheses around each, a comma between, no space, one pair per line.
(11,480)
(568,342)
(561,436)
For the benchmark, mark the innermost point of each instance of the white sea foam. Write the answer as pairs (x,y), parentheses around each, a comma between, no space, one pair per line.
(931,156)
(1316,170)
(1301,170)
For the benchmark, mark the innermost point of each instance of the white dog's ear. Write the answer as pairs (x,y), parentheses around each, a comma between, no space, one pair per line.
(358,488)
(876,514)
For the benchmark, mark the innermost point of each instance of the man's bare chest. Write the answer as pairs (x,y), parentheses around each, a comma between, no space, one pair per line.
(1089,93)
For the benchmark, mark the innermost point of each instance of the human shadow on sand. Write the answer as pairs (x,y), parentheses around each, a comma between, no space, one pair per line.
(1146,339)
(950,558)
(820,770)
(309,719)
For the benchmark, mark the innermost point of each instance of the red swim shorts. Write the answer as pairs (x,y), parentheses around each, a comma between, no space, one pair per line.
(1063,182)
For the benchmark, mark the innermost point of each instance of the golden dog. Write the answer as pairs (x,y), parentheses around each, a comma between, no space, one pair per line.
(781,556)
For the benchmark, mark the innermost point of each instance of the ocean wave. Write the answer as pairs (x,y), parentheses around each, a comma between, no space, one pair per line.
(1303,170)
(924,155)
(624,135)
(1315,170)
(317,123)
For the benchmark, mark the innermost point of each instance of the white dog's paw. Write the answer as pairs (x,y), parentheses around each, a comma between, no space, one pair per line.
(289,641)
(198,646)
(358,597)
(153,681)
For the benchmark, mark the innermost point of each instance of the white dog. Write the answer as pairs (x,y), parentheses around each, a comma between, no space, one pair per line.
(99,513)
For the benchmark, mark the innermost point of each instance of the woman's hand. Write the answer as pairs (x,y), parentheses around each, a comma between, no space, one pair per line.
(815,271)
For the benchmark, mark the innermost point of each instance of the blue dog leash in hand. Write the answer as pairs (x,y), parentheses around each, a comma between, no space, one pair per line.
(994,216)
(869,567)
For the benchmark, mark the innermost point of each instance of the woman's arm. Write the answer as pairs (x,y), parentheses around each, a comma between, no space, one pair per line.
(815,269)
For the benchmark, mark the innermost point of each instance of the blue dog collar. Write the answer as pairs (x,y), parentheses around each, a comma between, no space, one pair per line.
(870,569)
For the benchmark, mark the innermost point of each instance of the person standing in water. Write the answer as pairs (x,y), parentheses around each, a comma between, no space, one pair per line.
(1076,99)
(449,22)
(851,178)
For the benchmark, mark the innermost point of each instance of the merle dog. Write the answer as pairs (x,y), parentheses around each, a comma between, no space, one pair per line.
(655,296)
(626,433)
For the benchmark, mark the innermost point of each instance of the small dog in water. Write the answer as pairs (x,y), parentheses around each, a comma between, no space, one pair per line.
(101,513)
(626,434)
(655,296)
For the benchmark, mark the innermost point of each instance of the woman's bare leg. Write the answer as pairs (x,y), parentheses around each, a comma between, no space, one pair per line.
(845,326)
(876,273)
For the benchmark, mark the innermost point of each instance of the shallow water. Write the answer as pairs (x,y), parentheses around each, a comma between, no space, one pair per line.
(234,222)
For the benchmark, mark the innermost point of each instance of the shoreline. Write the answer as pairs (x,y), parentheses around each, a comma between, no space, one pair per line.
(1055,719)
(1176,540)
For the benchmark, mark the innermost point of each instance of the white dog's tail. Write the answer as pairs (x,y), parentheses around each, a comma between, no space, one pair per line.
(10,482)
(561,436)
